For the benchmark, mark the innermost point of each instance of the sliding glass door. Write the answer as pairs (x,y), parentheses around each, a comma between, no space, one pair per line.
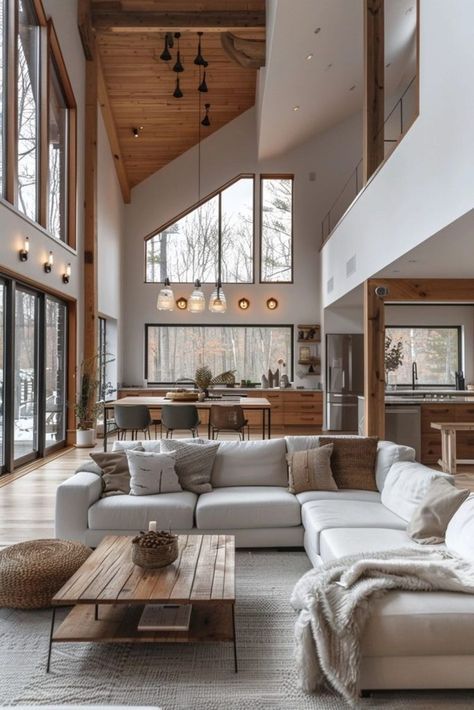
(33,357)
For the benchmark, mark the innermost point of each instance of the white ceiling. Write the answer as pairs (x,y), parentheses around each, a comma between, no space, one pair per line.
(328,87)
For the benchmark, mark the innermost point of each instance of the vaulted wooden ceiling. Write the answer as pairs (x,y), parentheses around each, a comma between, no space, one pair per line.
(130,36)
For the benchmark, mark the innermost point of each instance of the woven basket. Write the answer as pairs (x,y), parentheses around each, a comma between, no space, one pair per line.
(153,557)
(186,396)
(32,572)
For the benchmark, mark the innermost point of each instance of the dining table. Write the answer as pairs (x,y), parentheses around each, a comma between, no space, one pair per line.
(253,404)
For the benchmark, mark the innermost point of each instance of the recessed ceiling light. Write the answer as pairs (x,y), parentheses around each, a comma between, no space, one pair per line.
(317,30)
(296,108)
(309,56)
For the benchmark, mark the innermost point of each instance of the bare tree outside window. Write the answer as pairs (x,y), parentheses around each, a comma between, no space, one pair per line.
(276,240)
(2,94)
(188,249)
(436,351)
(27,98)
(57,157)
(174,352)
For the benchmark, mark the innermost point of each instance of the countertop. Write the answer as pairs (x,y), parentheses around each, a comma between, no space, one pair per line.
(227,390)
(417,397)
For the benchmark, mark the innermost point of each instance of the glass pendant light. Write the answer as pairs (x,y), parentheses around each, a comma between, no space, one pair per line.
(165,300)
(197,300)
(217,301)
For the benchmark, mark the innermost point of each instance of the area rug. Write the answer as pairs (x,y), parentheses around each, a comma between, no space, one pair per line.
(198,677)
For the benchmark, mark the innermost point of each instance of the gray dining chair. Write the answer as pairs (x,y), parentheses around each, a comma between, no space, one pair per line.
(134,418)
(182,416)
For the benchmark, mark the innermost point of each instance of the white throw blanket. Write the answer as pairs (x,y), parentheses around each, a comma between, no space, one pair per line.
(335,602)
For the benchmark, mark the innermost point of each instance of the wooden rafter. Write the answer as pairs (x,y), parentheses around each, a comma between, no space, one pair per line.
(374,79)
(117,20)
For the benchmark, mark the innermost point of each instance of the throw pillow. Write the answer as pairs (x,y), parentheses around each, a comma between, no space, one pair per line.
(115,473)
(353,461)
(460,531)
(430,519)
(152,473)
(193,463)
(311,470)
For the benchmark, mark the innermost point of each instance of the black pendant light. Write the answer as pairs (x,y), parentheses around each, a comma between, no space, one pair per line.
(206,121)
(165,55)
(177,93)
(203,86)
(199,60)
(178,67)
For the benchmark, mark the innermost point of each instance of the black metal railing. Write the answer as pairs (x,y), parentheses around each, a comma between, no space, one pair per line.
(395,126)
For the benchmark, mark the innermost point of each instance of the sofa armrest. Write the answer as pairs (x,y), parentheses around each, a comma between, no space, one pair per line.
(73,499)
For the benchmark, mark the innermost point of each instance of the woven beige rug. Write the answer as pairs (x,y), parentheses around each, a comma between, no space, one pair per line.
(196,677)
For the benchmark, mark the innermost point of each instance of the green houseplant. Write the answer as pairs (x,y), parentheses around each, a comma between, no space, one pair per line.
(87,407)
(393,356)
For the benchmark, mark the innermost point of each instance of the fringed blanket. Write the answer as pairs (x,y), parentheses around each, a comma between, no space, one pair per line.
(334,602)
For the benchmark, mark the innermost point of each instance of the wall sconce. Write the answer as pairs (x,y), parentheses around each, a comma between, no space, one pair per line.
(244,304)
(48,265)
(272,304)
(182,303)
(23,253)
(67,274)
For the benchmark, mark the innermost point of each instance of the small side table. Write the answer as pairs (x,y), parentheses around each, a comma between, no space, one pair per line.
(449,460)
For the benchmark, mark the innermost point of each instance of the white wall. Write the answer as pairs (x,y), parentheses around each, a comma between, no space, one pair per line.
(429,180)
(225,154)
(439,315)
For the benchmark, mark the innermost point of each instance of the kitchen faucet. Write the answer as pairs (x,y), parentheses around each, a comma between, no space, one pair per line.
(414,375)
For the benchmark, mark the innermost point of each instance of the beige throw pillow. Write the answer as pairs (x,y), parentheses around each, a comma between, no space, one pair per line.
(152,473)
(430,519)
(115,473)
(311,470)
(353,461)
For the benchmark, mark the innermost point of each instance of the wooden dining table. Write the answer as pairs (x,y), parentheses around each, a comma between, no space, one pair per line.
(154,403)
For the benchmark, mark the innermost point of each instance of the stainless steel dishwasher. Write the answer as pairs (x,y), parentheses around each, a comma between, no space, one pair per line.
(403,425)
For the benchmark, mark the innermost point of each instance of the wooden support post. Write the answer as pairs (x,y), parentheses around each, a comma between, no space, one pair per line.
(374,362)
(374,94)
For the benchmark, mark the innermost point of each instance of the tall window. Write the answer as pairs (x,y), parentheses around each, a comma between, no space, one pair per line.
(3,67)
(187,249)
(176,351)
(28,108)
(435,350)
(57,156)
(55,370)
(276,229)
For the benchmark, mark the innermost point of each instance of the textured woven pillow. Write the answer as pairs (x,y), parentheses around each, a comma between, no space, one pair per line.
(115,473)
(310,470)
(152,473)
(430,519)
(353,461)
(193,463)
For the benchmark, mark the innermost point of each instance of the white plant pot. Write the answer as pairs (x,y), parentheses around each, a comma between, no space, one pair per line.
(85,438)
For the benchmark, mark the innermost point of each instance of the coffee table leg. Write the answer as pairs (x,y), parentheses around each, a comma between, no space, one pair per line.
(53,618)
(236,669)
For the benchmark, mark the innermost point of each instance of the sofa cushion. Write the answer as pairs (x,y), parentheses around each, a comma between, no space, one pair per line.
(406,485)
(310,470)
(344,494)
(194,463)
(115,472)
(389,453)
(429,521)
(343,542)
(153,445)
(301,443)
(322,515)
(420,624)
(247,507)
(152,473)
(250,463)
(460,531)
(132,513)
(353,461)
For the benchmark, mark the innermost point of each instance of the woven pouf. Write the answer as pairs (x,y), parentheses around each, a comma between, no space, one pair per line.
(32,572)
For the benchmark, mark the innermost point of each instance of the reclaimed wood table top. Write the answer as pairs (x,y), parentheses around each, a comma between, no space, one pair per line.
(157,402)
(203,572)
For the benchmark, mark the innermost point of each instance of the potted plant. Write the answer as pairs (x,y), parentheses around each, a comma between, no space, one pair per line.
(87,408)
(203,379)
(393,356)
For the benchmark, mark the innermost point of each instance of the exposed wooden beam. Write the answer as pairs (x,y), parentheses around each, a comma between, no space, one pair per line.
(86,31)
(374,94)
(427,290)
(222,21)
(374,365)
(112,133)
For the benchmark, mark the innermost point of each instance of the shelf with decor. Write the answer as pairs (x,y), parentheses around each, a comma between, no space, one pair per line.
(309,342)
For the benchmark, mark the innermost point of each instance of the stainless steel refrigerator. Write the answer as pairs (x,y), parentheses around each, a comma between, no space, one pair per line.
(344,380)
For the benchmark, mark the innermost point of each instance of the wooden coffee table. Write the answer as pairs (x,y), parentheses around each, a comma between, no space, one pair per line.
(109,592)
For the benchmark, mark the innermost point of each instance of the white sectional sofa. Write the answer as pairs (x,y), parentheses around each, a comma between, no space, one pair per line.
(413,639)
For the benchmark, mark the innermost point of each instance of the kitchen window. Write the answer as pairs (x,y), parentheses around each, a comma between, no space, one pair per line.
(436,350)
(173,352)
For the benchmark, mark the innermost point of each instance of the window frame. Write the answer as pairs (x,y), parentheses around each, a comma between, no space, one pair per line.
(290,365)
(458,328)
(277,176)
(195,206)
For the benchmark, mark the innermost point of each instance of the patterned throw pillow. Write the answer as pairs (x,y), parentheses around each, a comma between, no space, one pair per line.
(152,473)
(353,461)
(194,463)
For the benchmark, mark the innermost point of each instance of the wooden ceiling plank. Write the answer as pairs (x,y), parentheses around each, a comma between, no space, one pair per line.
(86,31)
(153,22)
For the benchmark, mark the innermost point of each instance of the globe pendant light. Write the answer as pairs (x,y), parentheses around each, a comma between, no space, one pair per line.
(217,302)
(197,300)
(165,300)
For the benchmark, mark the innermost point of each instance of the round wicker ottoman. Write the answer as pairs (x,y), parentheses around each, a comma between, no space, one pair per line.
(32,572)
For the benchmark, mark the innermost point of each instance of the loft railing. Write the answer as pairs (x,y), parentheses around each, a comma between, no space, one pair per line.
(396,124)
